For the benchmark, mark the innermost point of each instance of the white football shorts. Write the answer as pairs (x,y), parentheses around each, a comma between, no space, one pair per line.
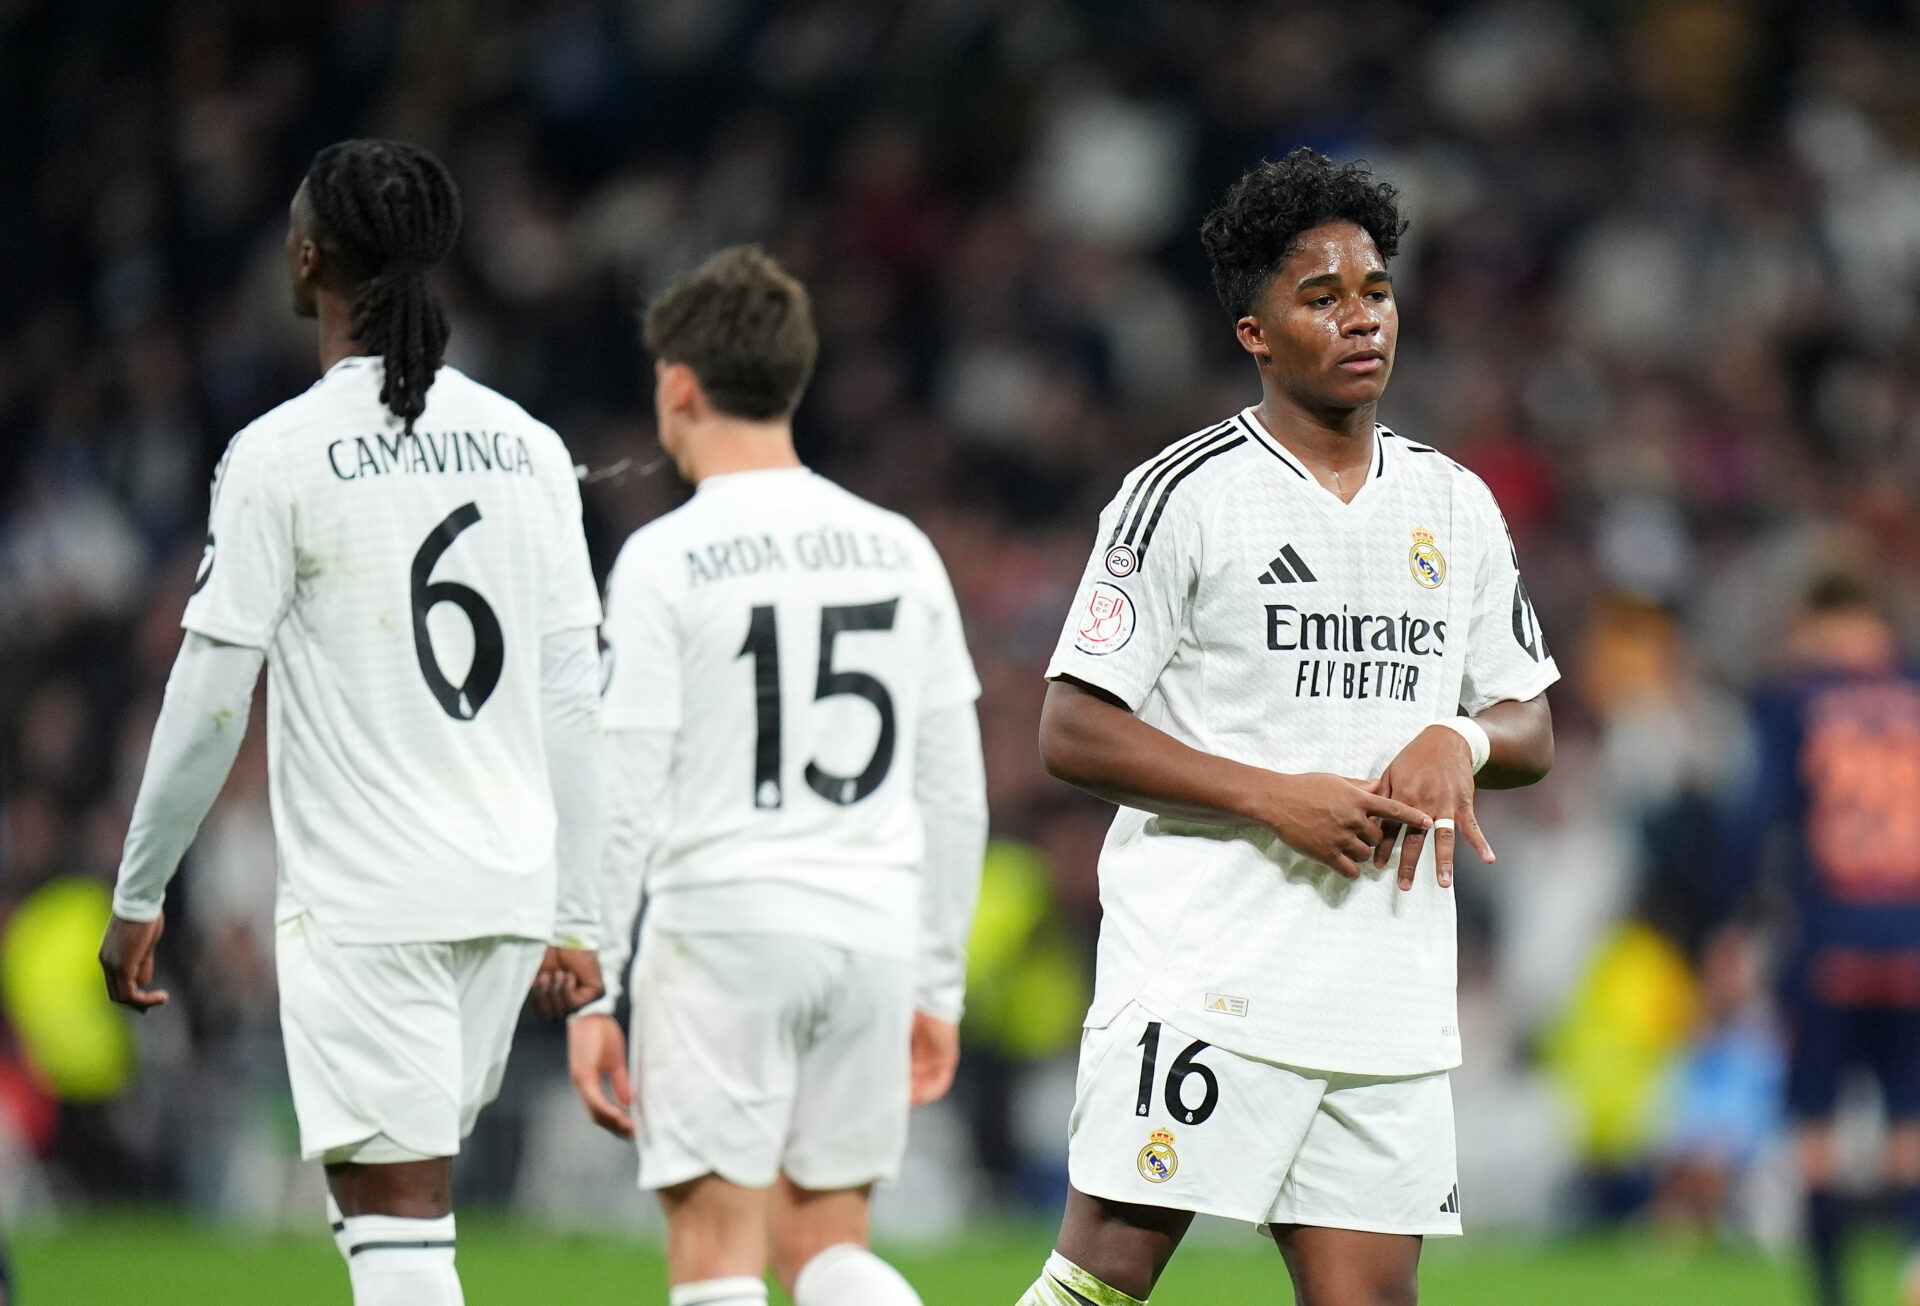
(762,1053)
(1163,1119)
(392,1049)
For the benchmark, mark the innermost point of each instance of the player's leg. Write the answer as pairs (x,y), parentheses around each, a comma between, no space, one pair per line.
(1108,1253)
(1375,1175)
(1896,1056)
(716,1243)
(393,1222)
(849,1132)
(374,1040)
(1164,1126)
(821,1253)
(1345,1267)
(1823,1045)
(717,1026)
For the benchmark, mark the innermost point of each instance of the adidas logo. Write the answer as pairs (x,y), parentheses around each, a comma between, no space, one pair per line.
(1286,569)
(1452,1205)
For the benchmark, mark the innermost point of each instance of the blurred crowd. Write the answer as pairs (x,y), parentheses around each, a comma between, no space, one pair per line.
(1662,291)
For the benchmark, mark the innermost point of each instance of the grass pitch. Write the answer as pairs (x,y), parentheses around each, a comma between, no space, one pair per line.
(165,1261)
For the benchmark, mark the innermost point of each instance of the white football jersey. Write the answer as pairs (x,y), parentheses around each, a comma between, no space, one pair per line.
(401,585)
(1238,605)
(790,635)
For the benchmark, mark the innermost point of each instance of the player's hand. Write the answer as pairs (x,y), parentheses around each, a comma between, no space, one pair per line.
(1336,821)
(936,1055)
(568,979)
(1435,774)
(597,1058)
(126,955)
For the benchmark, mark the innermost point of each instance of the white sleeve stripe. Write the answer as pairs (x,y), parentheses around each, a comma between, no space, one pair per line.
(1158,468)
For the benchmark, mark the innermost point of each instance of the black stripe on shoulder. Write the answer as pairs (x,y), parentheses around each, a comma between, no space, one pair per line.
(1160,505)
(1157,469)
(1279,457)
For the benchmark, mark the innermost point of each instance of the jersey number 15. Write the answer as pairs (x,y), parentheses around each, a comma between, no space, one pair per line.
(763,646)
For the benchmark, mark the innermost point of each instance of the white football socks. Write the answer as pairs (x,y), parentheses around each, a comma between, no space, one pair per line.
(396,1262)
(740,1291)
(1063,1283)
(338,1223)
(847,1274)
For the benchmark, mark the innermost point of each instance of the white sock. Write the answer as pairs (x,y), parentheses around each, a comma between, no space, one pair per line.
(847,1274)
(338,1223)
(1063,1283)
(396,1262)
(741,1291)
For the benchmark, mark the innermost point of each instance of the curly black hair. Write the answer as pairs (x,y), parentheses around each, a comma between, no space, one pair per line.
(1264,213)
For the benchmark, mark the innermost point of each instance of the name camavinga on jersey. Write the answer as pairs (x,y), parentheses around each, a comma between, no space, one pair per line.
(425,452)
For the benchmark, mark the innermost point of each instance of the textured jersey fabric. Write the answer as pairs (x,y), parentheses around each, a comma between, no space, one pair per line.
(1236,604)
(792,638)
(401,585)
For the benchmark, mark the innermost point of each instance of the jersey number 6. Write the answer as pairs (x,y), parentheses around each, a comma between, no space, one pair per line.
(763,645)
(462,702)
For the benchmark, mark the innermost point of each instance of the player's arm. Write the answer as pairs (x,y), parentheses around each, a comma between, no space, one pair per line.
(1758,799)
(1092,740)
(1502,737)
(1520,743)
(243,591)
(639,721)
(1438,771)
(950,788)
(203,718)
(569,975)
(638,763)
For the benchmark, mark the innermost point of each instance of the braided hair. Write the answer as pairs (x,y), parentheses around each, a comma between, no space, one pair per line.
(391,211)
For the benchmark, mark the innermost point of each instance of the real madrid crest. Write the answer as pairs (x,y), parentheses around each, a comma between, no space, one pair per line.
(1158,1160)
(1428,563)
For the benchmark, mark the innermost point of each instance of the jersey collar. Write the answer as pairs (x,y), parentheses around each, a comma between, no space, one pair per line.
(758,475)
(1257,431)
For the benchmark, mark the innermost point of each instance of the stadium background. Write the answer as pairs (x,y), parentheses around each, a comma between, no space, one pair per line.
(1662,291)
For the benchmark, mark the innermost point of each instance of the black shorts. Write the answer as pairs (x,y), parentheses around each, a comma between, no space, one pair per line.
(1829,1040)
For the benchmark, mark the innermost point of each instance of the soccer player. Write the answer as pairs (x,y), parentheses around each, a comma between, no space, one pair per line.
(403,547)
(798,791)
(1837,771)
(1300,639)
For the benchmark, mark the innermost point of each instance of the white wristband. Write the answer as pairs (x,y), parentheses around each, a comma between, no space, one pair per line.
(1476,736)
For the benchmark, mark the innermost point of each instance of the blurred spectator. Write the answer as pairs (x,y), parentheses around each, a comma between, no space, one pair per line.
(1725,1117)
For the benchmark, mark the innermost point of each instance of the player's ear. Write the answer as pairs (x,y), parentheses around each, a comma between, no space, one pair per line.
(678,389)
(1252,336)
(311,263)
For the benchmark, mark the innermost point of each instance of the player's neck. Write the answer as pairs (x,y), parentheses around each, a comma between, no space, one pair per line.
(1336,445)
(725,445)
(336,331)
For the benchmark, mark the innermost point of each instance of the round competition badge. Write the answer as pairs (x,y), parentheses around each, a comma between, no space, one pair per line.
(1158,1160)
(1428,563)
(1121,561)
(1106,623)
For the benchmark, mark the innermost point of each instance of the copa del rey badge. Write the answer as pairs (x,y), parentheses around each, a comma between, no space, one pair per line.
(1428,563)
(1106,622)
